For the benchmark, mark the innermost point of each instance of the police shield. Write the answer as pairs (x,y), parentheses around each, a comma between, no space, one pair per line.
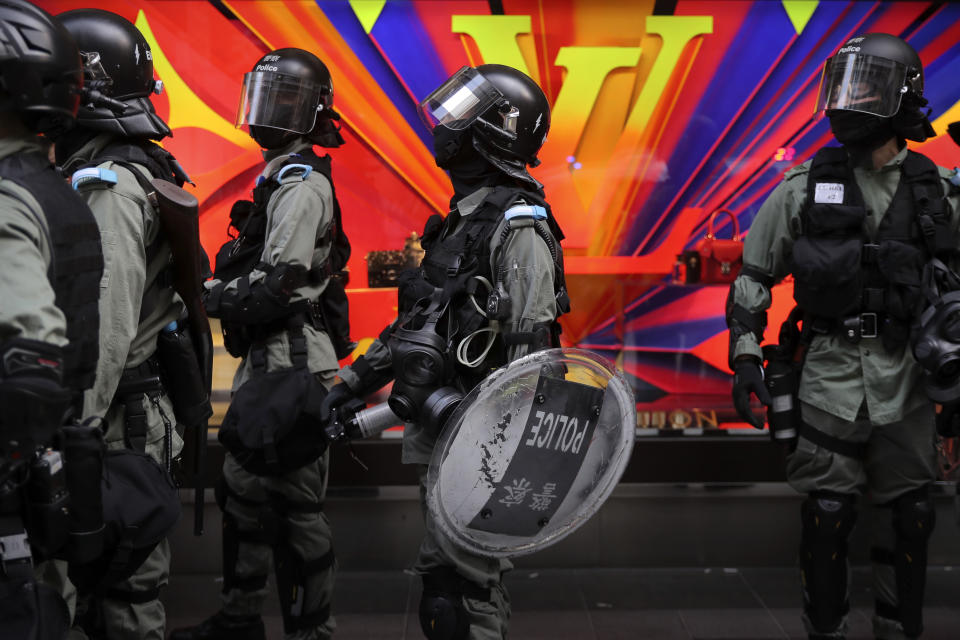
(531,453)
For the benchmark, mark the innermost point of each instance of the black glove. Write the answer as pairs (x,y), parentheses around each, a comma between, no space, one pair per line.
(338,395)
(948,420)
(747,379)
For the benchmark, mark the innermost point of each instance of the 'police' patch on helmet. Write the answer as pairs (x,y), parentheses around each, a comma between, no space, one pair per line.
(828,193)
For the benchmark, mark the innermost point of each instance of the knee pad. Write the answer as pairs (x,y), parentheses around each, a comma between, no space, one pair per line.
(293,572)
(914,517)
(828,519)
(442,614)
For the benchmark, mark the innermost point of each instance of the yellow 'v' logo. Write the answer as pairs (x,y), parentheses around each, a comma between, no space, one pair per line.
(598,184)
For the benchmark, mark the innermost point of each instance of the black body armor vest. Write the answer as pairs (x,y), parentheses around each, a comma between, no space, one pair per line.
(77,263)
(839,272)
(446,277)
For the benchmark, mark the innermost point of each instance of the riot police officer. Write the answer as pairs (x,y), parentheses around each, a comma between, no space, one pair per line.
(489,290)
(855,226)
(49,288)
(278,293)
(111,157)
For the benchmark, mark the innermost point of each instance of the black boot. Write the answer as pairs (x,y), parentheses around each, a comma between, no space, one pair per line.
(220,626)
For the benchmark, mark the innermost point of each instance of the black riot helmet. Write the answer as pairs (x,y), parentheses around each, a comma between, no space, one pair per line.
(289,93)
(503,109)
(118,59)
(41,74)
(879,76)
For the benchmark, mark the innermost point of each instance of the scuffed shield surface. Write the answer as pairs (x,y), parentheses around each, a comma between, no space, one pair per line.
(531,453)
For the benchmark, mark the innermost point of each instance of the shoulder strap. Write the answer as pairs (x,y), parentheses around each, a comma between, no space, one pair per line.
(929,202)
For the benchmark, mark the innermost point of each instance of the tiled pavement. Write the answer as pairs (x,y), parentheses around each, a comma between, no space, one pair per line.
(598,604)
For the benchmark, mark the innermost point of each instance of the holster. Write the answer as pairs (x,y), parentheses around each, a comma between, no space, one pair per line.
(182,377)
(186,362)
(134,383)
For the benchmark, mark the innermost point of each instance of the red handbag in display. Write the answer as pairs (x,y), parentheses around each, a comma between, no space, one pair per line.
(712,260)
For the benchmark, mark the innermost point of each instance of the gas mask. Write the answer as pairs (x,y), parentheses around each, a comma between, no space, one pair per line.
(421,368)
(935,335)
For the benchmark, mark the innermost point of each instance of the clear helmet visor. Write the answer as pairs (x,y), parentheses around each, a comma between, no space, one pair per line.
(458,102)
(868,84)
(279,101)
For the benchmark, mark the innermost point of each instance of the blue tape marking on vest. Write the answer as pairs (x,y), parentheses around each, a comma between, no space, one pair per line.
(955,178)
(260,180)
(306,171)
(93,174)
(526,211)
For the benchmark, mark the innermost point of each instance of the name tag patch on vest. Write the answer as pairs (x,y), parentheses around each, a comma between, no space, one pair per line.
(828,193)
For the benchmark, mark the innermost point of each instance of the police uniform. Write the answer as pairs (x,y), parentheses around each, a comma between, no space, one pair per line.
(263,514)
(867,426)
(137,303)
(528,269)
(49,288)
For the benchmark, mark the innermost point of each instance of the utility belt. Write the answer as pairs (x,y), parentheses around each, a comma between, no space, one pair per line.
(853,329)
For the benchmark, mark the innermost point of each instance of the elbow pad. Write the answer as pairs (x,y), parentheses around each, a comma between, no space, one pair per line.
(259,302)
(35,402)
(369,379)
(741,321)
